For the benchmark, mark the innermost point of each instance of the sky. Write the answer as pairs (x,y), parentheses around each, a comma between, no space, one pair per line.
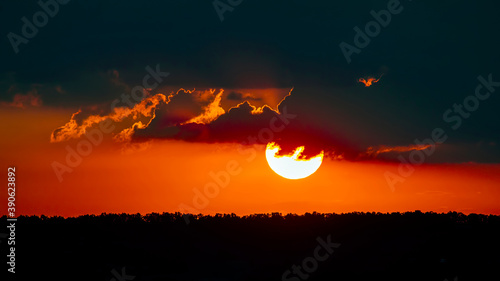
(167,106)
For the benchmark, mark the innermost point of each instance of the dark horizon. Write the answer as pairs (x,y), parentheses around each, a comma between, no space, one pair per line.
(356,246)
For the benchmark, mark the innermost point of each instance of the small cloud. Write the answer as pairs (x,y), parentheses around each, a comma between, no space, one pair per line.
(60,90)
(236,96)
(368,81)
(375,151)
(115,73)
(113,76)
(22,101)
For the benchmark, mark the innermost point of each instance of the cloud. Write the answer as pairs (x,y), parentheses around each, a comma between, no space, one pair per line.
(236,96)
(373,152)
(210,112)
(144,109)
(156,116)
(214,124)
(59,89)
(369,80)
(197,116)
(248,124)
(19,100)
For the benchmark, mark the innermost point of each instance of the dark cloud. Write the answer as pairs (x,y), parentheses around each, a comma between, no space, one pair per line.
(242,125)
(20,100)
(428,65)
(236,96)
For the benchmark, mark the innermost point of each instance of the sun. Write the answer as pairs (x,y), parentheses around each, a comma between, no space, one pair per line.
(292,166)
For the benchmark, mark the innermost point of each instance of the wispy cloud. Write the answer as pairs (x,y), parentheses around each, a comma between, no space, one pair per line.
(375,151)
(368,81)
(19,100)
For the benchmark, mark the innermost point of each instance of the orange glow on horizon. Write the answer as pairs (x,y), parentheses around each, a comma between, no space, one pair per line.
(164,175)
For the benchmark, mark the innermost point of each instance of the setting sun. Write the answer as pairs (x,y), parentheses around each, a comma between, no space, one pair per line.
(292,166)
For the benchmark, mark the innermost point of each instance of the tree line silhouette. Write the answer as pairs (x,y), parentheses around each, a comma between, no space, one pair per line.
(154,246)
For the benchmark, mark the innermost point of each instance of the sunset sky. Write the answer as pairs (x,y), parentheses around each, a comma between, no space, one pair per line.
(168,107)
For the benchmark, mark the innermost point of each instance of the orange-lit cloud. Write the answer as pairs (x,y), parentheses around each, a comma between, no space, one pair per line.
(214,124)
(141,115)
(260,110)
(22,101)
(199,116)
(210,112)
(249,124)
(256,97)
(375,151)
(369,80)
(145,108)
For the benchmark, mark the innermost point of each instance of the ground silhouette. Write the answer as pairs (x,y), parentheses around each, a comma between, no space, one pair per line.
(371,246)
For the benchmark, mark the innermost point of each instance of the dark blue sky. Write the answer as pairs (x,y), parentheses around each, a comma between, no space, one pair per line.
(431,54)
